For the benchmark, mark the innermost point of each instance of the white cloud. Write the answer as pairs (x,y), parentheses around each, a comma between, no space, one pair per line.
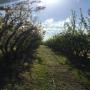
(53,27)
(51,23)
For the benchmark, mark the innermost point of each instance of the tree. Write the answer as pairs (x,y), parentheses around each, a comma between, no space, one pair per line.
(75,39)
(17,27)
(20,36)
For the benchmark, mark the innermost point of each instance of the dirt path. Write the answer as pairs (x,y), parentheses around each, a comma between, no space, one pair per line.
(52,72)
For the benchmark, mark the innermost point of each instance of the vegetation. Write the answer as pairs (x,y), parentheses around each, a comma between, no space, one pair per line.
(75,39)
(53,73)
(74,43)
(25,64)
(20,36)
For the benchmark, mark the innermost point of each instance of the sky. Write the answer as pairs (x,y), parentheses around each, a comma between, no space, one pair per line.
(60,9)
(57,12)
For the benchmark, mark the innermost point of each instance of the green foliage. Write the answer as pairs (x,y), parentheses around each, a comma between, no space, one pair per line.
(75,40)
(19,39)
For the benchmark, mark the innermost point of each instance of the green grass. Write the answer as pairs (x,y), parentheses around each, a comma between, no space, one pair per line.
(52,72)
(81,76)
(38,71)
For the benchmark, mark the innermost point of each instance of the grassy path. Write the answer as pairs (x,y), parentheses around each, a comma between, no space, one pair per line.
(51,72)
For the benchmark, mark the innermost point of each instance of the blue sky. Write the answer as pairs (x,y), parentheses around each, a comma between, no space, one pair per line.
(54,16)
(61,9)
(57,12)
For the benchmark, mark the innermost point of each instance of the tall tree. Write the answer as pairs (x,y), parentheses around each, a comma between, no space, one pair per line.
(20,35)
